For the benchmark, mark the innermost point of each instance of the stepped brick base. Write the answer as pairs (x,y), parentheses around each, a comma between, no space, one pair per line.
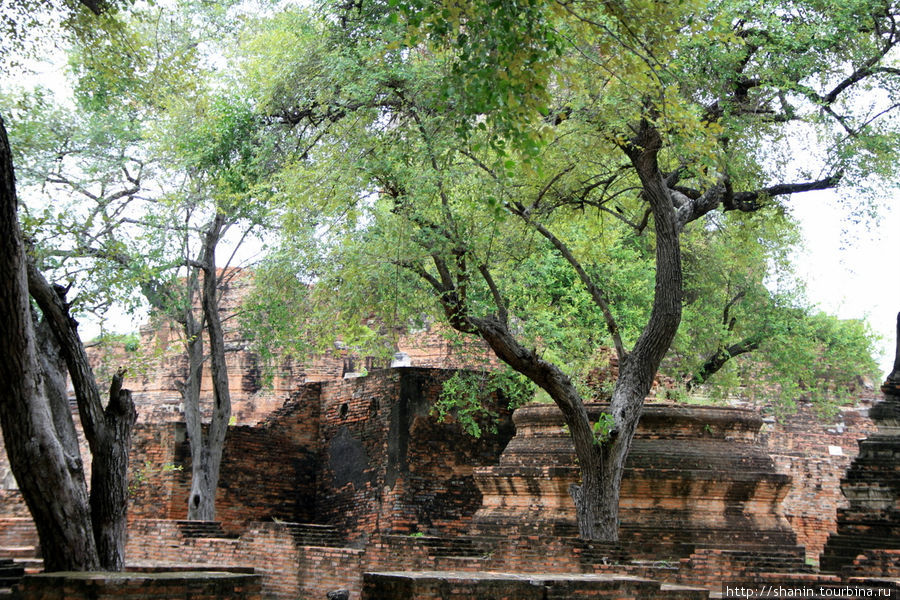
(695,476)
(872,488)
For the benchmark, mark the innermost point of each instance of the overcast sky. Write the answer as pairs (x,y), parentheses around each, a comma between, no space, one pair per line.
(851,270)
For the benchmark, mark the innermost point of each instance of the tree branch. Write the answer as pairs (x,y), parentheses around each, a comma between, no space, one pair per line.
(51,300)
(597,294)
(719,358)
(499,302)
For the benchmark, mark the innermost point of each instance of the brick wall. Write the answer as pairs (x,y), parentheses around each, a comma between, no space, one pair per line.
(816,453)
(387,465)
(288,570)
(267,471)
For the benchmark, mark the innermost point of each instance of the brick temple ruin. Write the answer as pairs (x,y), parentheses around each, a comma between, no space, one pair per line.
(336,481)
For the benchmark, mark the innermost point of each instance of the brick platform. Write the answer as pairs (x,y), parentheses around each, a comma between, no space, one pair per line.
(203,585)
(437,585)
(695,476)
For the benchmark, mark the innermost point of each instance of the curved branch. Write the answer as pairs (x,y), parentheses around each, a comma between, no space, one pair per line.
(597,294)
(495,293)
(715,361)
(51,301)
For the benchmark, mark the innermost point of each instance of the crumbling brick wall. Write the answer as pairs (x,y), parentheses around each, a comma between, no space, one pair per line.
(388,465)
(816,453)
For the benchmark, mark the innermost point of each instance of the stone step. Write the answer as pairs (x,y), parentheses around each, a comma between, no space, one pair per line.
(314,534)
(198,529)
(756,561)
(11,573)
(596,552)
(31,565)
(451,546)
(463,547)
(682,592)
(18,552)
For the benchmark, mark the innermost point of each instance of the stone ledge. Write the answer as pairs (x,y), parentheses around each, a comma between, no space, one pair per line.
(128,585)
(458,585)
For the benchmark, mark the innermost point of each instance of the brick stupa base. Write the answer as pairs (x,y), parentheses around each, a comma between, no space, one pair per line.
(867,541)
(695,478)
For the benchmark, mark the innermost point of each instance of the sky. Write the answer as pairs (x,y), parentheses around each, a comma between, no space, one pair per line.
(851,270)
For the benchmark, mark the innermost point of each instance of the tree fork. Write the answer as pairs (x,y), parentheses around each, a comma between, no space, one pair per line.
(53,486)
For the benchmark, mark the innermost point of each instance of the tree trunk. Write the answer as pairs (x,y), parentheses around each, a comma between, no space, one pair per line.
(596,503)
(109,477)
(205,478)
(201,500)
(51,480)
(108,431)
(602,478)
(893,378)
(55,378)
(639,367)
(591,507)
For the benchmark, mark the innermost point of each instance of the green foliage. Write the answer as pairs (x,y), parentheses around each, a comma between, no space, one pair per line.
(741,290)
(141,477)
(416,145)
(603,427)
(29,29)
(465,394)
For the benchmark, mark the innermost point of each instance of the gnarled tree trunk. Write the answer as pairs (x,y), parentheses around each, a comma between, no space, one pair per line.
(108,431)
(50,477)
(109,477)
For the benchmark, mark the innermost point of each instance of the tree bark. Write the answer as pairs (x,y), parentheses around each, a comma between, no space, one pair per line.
(588,494)
(109,477)
(190,393)
(637,371)
(51,480)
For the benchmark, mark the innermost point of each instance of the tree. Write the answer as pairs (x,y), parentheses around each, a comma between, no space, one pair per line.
(554,116)
(124,227)
(77,532)
(214,139)
(50,476)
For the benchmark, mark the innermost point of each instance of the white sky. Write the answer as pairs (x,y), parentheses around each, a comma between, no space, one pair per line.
(851,270)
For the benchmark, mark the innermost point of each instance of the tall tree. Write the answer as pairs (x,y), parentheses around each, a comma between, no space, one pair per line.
(51,479)
(689,96)
(556,117)
(124,227)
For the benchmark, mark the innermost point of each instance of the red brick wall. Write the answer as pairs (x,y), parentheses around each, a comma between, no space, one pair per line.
(354,439)
(288,571)
(387,465)
(799,445)
(267,471)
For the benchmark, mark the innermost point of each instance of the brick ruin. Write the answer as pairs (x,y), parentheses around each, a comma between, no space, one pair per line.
(867,540)
(328,476)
